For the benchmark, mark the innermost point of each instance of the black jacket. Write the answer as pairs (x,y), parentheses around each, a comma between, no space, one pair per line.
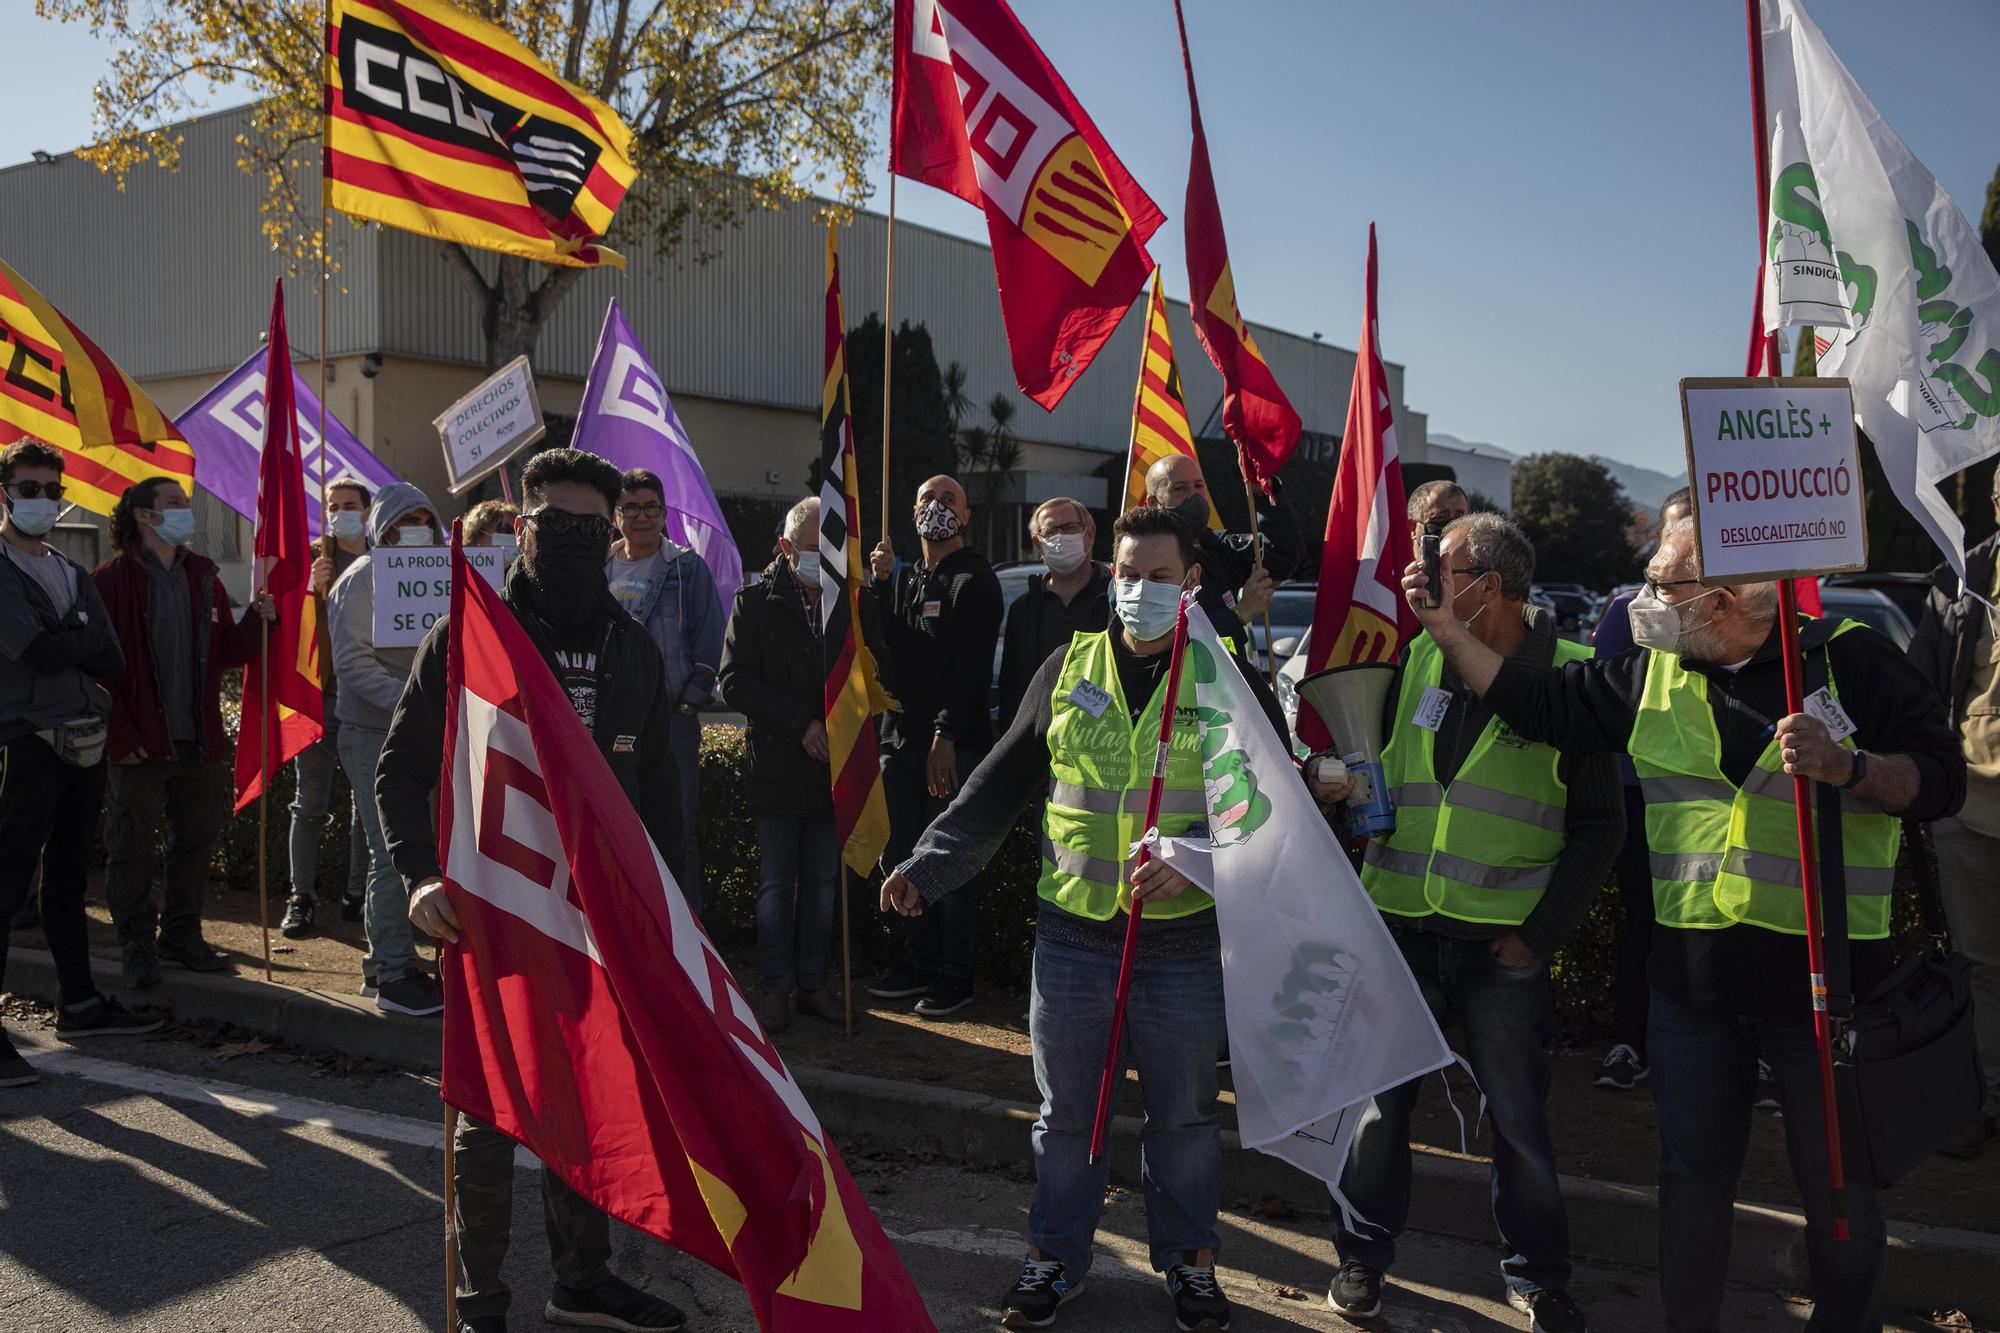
(1038,623)
(631,702)
(941,625)
(1942,648)
(1226,561)
(774,673)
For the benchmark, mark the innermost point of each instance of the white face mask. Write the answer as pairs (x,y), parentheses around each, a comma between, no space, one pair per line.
(35,517)
(806,565)
(1467,623)
(1063,551)
(1147,608)
(1658,625)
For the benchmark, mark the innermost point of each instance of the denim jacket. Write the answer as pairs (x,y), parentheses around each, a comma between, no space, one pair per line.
(677,604)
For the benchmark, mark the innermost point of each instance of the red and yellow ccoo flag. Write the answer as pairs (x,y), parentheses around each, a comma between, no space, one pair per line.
(854,694)
(1159,409)
(444,124)
(58,386)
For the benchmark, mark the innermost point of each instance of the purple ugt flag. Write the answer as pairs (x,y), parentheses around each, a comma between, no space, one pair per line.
(628,418)
(226,429)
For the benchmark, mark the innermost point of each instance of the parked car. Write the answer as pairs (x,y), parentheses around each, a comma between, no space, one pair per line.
(1907,590)
(1572,604)
(1291,617)
(1871,606)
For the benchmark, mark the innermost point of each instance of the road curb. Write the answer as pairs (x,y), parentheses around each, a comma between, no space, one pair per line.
(1930,1268)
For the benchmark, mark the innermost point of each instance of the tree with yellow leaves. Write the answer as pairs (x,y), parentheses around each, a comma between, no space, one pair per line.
(733,104)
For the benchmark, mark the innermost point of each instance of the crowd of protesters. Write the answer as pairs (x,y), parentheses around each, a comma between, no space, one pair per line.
(111,711)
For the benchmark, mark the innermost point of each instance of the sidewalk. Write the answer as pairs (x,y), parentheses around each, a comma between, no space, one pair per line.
(1931,1267)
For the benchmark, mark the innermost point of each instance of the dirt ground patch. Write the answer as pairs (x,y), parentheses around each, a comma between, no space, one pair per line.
(1599,1135)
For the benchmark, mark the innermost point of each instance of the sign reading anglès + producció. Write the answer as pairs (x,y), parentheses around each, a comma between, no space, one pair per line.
(490,425)
(1775,471)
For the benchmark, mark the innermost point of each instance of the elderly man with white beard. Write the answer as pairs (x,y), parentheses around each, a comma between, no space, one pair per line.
(1700,707)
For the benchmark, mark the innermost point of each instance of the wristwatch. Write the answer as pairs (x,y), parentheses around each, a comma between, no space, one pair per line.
(1860,771)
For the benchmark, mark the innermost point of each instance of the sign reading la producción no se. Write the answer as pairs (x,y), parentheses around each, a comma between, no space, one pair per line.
(413,588)
(1774,469)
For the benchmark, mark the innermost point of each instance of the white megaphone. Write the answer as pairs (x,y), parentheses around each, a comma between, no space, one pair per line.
(1350,701)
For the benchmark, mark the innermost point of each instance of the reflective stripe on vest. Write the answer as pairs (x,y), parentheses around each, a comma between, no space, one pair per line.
(1483,849)
(1723,855)
(1100,773)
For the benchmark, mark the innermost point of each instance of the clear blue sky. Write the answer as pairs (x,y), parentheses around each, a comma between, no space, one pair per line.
(1562,189)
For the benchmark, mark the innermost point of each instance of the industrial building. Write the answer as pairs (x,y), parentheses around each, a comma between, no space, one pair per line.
(172,276)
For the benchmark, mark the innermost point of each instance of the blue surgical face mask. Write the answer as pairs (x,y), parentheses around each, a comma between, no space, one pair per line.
(35,517)
(807,566)
(175,526)
(1147,608)
(345,524)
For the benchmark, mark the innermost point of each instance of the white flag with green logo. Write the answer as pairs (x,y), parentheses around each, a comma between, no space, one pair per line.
(1323,1012)
(1867,247)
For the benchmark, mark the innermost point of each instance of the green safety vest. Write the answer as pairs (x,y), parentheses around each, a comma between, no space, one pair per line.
(1483,849)
(1100,772)
(1724,855)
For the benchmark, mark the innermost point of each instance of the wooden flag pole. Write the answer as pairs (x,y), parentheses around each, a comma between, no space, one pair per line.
(846,951)
(888,347)
(451,1218)
(1256,561)
(1788,638)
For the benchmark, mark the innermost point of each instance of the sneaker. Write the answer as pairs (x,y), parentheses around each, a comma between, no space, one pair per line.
(1044,1286)
(195,954)
(1356,1290)
(1969,1140)
(612,1304)
(15,1072)
(946,996)
(1767,1089)
(141,965)
(1621,1069)
(367,988)
(351,905)
(774,1011)
(821,1003)
(413,993)
(1199,1305)
(102,1016)
(901,983)
(298,921)
(1554,1311)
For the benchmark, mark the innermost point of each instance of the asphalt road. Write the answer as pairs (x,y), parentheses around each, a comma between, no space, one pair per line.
(176,1186)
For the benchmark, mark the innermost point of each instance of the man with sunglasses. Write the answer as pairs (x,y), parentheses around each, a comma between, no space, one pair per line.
(1499,848)
(54,638)
(611,672)
(1701,710)
(668,589)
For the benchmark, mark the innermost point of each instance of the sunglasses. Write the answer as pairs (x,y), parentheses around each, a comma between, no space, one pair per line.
(35,490)
(652,509)
(562,523)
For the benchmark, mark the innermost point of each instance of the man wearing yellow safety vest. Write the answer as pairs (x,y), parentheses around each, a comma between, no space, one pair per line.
(1086,736)
(1700,707)
(1500,846)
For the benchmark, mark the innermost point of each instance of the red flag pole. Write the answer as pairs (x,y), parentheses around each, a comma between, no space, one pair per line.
(450,1214)
(1105,1086)
(1765,349)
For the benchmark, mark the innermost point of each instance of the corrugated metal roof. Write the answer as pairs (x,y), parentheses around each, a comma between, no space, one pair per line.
(173,277)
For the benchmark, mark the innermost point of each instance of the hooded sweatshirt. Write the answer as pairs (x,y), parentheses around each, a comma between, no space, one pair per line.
(370,679)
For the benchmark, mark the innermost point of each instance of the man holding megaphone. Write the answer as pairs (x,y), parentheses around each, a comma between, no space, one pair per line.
(1499,845)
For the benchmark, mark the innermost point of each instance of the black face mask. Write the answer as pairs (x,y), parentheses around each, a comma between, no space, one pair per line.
(1195,510)
(564,556)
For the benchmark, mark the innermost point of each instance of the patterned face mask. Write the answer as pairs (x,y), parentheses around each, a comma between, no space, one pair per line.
(937,521)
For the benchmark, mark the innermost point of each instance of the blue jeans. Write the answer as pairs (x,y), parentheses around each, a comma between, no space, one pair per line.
(392,952)
(799,867)
(314,769)
(1704,1082)
(943,941)
(1173,1028)
(1507,1016)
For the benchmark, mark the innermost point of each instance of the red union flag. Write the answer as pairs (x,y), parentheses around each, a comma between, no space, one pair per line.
(588,1017)
(980,113)
(1256,415)
(1359,614)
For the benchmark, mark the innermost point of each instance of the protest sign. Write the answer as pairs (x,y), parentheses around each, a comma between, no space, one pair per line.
(490,425)
(413,588)
(1775,473)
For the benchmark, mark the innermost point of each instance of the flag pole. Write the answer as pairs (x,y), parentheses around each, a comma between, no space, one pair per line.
(264,710)
(451,1218)
(1764,348)
(1256,562)
(1106,1086)
(888,345)
(846,950)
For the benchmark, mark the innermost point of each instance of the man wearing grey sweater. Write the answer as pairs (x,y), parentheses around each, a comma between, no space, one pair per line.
(371,681)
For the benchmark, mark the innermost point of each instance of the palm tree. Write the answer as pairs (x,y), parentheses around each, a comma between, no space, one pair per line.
(1002,454)
(957,402)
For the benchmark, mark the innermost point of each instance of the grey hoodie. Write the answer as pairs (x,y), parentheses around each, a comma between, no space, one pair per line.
(370,678)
